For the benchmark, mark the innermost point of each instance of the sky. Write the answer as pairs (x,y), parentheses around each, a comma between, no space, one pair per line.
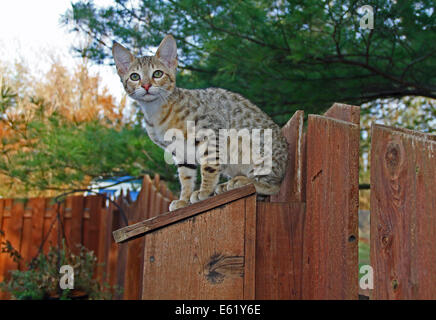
(31,29)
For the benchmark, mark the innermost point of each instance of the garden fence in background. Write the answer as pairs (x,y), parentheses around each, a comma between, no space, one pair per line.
(300,244)
(86,220)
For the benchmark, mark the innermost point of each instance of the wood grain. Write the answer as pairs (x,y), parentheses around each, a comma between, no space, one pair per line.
(250,248)
(77,205)
(279,250)
(14,230)
(331,227)
(26,234)
(200,257)
(142,227)
(92,232)
(138,211)
(403,213)
(292,185)
(51,225)
(344,112)
(32,228)
(2,256)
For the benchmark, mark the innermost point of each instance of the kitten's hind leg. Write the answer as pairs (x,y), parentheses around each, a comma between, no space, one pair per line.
(240,181)
(221,188)
(235,182)
(266,188)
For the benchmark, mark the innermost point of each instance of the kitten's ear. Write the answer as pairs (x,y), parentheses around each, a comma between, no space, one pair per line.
(167,51)
(123,58)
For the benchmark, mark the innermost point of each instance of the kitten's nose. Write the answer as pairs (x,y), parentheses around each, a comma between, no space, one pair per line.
(146,86)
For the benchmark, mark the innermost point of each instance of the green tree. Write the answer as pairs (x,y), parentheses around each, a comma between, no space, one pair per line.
(283,55)
(64,143)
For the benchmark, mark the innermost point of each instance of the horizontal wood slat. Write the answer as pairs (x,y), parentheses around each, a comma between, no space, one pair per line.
(149,225)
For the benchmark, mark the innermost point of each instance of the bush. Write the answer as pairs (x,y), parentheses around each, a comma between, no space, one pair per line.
(41,278)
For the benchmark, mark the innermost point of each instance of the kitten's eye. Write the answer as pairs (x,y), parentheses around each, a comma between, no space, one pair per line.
(157,74)
(134,77)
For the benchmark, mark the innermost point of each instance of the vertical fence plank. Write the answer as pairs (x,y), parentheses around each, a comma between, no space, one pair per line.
(26,237)
(292,185)
(77,205)
(15,231)
(279,250)
(51,225)
(2,204)
(122,250)
(95,204)
(403,214)
(32,228)
(13,212)
(112,224)
(135,255)
(2,256)
(103,248)
(150,202)
(250,248)
(67,220)
(331,226)
(38,210)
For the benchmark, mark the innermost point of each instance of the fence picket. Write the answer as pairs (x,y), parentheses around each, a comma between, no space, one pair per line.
(403,214)
(331,233)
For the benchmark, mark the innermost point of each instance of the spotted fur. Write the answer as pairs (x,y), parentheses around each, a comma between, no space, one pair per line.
(165,106)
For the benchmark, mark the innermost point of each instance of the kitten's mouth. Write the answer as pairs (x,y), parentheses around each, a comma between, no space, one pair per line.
(149,97)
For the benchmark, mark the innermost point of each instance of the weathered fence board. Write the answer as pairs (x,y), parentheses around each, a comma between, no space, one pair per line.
(50,229)
(142,227)
(301,245)
(403,214)
(208,260)
(331,228)
(344,112)
(2,238)
(32,228)
(76,231)
(135,253)
(279,250)
(292,185)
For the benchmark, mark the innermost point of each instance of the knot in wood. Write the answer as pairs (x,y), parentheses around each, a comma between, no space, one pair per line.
(220,266)
(394,157)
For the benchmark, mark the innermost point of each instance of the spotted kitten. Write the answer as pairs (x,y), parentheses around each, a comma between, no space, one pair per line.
(151,81)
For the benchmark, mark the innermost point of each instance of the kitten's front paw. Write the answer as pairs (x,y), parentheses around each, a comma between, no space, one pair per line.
(177,204)
(199,195)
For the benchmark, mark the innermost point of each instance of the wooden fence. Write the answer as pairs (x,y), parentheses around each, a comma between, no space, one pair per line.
(303,243)
(86,220)
(300,244)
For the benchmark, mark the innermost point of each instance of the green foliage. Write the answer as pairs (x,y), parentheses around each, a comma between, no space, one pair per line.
(6,247)
(41,279)
(48,151)
(364,255)
(282,55)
